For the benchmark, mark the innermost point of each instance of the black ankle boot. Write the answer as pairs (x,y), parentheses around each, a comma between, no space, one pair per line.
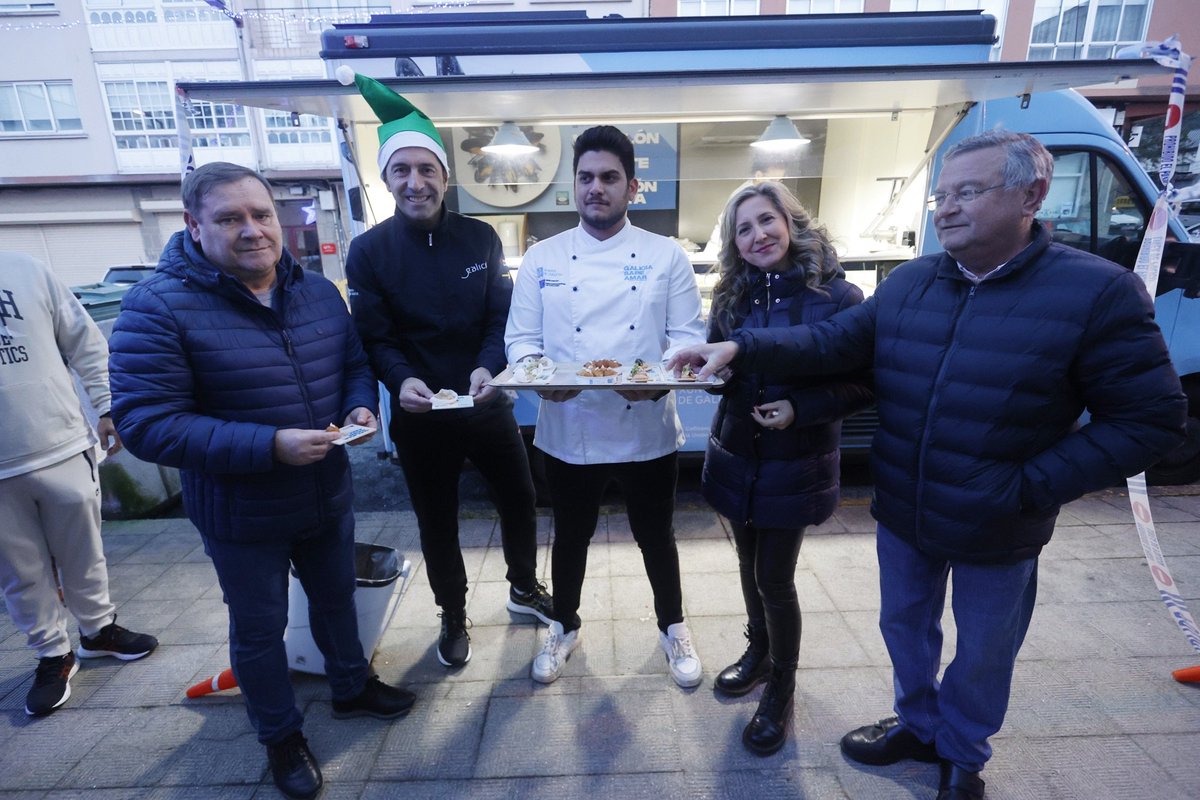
(749,670)
(767,730)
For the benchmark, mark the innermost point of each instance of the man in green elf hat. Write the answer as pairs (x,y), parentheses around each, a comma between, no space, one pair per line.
(430,293)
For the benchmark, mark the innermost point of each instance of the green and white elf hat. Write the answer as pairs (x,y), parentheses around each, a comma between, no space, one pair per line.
(404,125)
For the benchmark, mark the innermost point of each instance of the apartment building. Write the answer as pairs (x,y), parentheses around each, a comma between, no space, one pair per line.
(89,133)
(89,140)
(1026,30)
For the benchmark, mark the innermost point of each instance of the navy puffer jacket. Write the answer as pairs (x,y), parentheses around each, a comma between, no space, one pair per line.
(782,478)
(203,375)
(980,389)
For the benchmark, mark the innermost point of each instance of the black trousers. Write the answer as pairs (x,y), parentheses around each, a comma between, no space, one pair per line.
(767,566)
(576,492)
(433,447)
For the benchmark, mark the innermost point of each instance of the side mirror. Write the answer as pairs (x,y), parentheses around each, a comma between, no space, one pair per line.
(1180,269)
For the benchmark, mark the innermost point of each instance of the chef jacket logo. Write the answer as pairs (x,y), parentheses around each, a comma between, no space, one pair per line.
(548,278)
(471,270)
(637,272)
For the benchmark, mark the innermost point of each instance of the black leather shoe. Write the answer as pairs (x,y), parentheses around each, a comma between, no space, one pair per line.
(767,730)
(751,669)
(886,742)
(959,784)
(377,699)
(294,769)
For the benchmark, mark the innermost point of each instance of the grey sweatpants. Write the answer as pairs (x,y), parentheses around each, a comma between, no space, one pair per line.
(49,517)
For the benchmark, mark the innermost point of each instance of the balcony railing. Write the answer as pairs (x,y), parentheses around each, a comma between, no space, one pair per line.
(271,31)
(278,32)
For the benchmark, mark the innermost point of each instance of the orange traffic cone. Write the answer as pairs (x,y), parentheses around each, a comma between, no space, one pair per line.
(217,683)
(1187,675)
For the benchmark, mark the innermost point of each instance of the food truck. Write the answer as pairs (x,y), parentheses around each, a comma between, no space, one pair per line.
(868,102)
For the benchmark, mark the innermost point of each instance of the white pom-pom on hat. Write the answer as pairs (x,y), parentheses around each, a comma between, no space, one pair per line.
(345,75)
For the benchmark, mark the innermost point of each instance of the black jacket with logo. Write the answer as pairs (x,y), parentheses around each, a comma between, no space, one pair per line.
(430,303)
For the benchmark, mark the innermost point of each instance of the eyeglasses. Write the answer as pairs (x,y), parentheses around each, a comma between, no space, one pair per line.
(963,196)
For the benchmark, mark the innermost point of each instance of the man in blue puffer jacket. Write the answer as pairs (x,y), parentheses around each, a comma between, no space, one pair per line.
(984,356)
(230,362)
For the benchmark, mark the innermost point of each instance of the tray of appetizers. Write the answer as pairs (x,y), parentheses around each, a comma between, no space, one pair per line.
(600,373)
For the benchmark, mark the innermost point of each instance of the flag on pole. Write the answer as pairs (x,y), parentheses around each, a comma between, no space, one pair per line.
(183,109)
(219,5)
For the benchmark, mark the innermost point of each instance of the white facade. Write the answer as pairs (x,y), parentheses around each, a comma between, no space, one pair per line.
(89,136)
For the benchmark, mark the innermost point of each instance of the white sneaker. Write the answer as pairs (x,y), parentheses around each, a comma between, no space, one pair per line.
(549,663)
(681,655)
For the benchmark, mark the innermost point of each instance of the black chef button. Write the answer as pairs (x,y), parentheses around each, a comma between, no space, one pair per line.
(633,288)
(574,288)
(577,330)
(630,327)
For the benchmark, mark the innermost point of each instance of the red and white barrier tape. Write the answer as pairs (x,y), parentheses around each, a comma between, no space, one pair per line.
(1146,267)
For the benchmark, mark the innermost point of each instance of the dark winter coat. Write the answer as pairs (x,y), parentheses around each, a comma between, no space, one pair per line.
(782,478)
(203,375)
(980,389)
(430,304)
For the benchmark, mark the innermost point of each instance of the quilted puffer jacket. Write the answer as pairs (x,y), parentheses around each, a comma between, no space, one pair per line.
(203,375)
(980,391)
(782,478)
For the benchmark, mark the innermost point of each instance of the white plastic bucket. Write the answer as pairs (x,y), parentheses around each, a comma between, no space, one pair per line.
(376,596)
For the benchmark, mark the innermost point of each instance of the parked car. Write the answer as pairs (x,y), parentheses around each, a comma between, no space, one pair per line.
(1189,215)
(128,273)
(130,488)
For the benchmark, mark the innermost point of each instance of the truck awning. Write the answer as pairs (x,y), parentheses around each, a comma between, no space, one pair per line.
(692,96)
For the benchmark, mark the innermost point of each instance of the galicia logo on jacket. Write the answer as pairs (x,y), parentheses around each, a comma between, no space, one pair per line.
(471,270)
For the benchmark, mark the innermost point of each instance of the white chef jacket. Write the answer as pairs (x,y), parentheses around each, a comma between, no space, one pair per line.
(633,295)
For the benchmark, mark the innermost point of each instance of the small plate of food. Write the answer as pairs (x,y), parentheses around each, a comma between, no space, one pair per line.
(533,370)
(448,398)
(643,372)
(600,370)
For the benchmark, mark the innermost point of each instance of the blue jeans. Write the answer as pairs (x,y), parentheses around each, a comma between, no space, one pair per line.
(254,578)
(992,606)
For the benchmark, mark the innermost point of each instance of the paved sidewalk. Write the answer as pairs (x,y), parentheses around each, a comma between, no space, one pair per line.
(1095,715)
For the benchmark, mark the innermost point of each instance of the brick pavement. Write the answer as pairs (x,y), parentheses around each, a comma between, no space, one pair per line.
(1095,714)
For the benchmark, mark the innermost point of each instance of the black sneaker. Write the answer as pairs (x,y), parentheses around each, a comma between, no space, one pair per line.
(454,645)
(377,699)
(294,769)
(113,640)
(51,684)
(537,602)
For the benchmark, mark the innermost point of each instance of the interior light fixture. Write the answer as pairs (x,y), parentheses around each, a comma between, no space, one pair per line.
(509,141)
(781,134)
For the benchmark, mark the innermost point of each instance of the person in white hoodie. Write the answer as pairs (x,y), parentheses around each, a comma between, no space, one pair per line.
(49,486)
(607,289)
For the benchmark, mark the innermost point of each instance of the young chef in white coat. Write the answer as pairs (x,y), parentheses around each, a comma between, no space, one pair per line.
(607,289)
